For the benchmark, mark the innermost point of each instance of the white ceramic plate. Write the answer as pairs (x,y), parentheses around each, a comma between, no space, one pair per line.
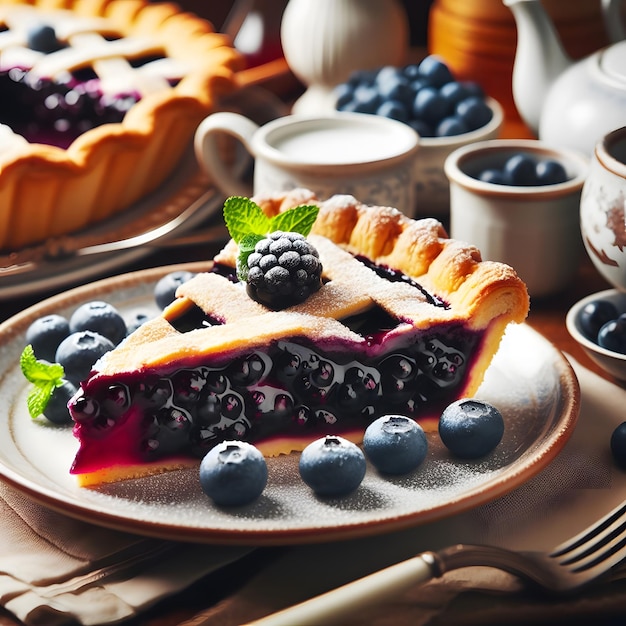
(529,380)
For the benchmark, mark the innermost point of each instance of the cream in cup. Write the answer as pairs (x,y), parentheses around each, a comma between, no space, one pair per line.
(369,157)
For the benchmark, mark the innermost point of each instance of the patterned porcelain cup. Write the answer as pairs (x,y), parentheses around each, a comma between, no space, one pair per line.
(603,208)
(369,157)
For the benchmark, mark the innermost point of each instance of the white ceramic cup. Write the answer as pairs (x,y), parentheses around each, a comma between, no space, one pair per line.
(603,208)
(367,156)
(533,229)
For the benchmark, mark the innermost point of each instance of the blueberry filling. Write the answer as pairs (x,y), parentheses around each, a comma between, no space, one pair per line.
(394,276)
(292,388)
(192,318)
(57,110)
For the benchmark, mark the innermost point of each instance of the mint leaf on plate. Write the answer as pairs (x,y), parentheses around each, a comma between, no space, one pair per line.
(44,376)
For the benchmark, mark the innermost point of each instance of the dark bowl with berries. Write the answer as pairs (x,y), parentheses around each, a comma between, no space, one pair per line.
(517,201)
(598,324)
(445,112)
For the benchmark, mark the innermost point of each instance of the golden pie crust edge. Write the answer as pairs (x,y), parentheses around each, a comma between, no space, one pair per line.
(47,191)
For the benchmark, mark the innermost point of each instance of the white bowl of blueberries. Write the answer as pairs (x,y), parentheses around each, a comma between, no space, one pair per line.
(598,324)
(446,113)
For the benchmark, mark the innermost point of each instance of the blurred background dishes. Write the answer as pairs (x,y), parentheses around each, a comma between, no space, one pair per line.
(527,222)
(324,41)
(367,156)
(566,103)
(478,40)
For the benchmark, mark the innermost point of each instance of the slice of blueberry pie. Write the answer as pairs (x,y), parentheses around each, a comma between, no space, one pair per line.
(100,98)
(292,337)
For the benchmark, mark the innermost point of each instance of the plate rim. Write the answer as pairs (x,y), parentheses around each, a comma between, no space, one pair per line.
(516,474)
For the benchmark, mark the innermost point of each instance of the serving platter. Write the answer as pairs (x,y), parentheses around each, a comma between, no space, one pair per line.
(530,381)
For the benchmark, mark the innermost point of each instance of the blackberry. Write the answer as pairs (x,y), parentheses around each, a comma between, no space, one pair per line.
(283,270)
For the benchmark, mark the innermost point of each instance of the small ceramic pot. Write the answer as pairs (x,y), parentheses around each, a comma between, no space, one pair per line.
(367,156)
(534,229)
(603,208)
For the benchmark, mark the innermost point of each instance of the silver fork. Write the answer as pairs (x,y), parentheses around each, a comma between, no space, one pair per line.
(584,559)
(29,260)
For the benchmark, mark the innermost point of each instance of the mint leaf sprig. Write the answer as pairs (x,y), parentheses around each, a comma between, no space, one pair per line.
(44,376)
(247,225)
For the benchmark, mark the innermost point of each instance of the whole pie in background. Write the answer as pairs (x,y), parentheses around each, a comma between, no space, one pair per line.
(100,99)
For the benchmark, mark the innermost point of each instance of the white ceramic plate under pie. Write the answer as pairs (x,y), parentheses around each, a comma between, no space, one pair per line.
(529,380)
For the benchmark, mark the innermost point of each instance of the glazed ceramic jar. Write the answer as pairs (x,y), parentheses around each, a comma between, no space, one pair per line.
(603,208)
(535,229)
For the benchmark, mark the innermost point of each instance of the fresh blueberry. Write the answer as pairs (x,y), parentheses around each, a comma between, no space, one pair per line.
(451,126)
(332,466)
(78,352)
(56,410)
(434,69)
(165,289)
(365,99)
(474,111)
(612,335)
(343,94)
(411,71)
(395,444)
(388,74)
(453,92)
(429,105)
(471,428)
(393,85)
(43,38)
(422,128)
(472,88)
(594,315)
(393,109)
(99,317)
(137,319)
(550,172)
(520,170)
(493,176)
(233,473)
(45,334)
(618,445)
